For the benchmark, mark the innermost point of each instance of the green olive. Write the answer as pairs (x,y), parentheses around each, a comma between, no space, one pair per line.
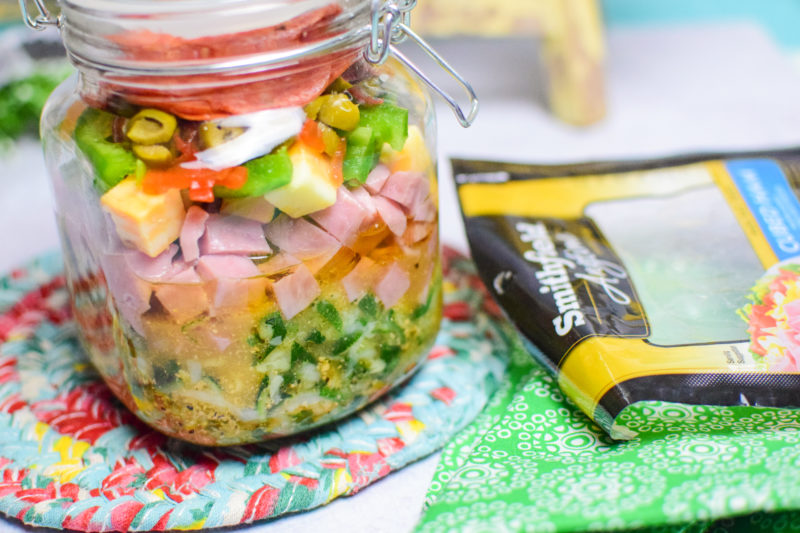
(339,85)
(153,154)
(212,135)
(339,112)
(151,126)
(312,109)
(330,138)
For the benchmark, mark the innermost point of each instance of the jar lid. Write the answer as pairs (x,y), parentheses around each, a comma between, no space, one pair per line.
(376,25)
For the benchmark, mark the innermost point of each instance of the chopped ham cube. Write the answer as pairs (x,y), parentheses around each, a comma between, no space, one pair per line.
(234,280)
(393,285)
(407,189)
(392,215)
(233,235)
(424,211)
(183,295)
(278,263)
(300,238)
(194,225)
(316,264)
(130,294)
(364,198)
(358,281)
(151,268)
(296,291)
(221,342)
(368,201)
(211,267)
(343,219)
(416,232)
(377,178)
(184,273)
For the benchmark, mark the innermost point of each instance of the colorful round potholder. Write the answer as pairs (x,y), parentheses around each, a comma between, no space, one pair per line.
(72,457)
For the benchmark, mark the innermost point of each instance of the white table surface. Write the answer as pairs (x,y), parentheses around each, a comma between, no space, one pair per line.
(671,90)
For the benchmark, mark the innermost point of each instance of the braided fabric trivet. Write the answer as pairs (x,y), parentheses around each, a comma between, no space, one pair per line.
(72,457)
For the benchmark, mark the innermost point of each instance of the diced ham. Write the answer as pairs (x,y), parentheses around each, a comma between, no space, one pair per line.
(416,232)
(318,263)
(393,285)
(151,268)
(368,201)
(194,225)
(221,342)
(131,295)
(358,281)
(235,281)
(278,263)
(392,215)
(343,219)
(300,238)
(407,189)
(377,178)
(184,273)
(296,291)
(364,198)
(233,235)
(424,211)
(409,251)
(211,267)
(183,294)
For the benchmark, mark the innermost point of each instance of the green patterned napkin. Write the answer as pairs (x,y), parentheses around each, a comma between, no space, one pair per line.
(534,462)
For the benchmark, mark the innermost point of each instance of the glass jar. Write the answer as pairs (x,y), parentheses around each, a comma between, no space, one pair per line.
(247,204)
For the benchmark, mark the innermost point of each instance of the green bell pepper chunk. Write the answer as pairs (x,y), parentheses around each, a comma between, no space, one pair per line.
(112,162)
(389,122)
(264,174)
(361,156)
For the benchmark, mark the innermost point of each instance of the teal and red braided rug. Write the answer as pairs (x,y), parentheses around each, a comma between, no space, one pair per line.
(72,457)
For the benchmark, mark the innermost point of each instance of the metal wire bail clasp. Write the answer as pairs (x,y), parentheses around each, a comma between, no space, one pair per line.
(42,20)
(390,26)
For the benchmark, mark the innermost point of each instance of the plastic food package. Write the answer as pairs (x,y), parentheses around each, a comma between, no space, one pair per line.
(673,280)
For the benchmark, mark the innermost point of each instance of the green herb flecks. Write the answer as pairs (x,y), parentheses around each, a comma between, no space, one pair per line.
(316,337)
(331,393)
(345,342)
(303,416)
(263,400)
(421,310)
(166,373)
(300,355)
(330,314)
(369,306)
(268,335)
(390,355)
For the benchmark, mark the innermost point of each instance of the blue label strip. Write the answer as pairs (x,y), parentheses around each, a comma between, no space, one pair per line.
(764,187)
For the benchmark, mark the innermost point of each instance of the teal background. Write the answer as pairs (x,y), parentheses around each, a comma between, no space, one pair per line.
(781,18)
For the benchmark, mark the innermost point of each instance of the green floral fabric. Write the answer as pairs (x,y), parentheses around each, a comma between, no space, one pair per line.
(533,462)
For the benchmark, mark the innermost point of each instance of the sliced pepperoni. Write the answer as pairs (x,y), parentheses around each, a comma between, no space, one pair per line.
(201,97)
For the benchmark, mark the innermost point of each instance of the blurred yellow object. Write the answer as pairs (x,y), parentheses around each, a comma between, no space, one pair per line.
(9,11)
(572,34)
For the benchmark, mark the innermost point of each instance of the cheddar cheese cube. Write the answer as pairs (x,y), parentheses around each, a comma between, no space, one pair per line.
(312,187)
(147,222)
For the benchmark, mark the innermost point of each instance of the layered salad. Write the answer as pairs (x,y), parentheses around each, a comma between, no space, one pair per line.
(264,269)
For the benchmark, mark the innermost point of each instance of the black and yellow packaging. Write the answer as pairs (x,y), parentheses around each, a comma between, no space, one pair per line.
(673,280)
